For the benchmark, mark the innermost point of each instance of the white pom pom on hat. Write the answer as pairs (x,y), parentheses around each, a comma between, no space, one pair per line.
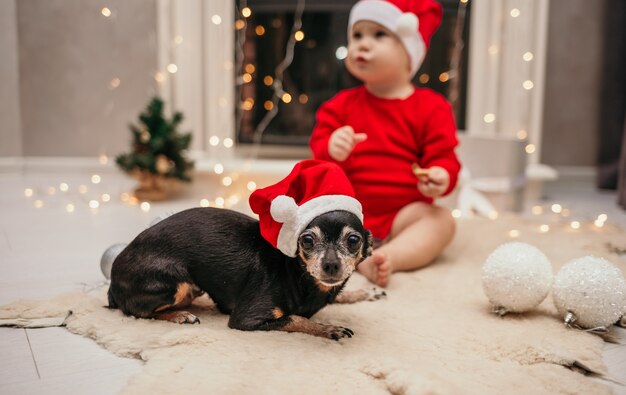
(407,24)
(283,208)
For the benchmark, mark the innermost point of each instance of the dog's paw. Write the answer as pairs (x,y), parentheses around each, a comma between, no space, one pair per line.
(183,317)
(188,318)
(337,332)
(375,294)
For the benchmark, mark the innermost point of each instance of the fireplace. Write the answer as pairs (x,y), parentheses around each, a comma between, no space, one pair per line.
(317,72)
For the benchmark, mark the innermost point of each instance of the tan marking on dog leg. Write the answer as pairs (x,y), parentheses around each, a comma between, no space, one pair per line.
(360,295)
(164,307)
(304,325)
(351,296)
(277,312)
(182,298)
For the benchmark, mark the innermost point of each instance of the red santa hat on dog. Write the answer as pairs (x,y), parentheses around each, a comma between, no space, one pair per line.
(413,21)
(312,188)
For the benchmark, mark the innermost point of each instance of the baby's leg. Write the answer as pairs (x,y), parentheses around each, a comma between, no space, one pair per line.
(418,235)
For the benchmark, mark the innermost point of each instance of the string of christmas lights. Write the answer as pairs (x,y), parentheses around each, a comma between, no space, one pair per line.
(277,85)
(527,56)
(457,51)
(275,82)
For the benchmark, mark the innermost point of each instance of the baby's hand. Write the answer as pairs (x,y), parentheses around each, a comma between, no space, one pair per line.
(342,142)
(435,183)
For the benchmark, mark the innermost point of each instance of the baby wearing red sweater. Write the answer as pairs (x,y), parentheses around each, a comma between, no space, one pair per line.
(379,131)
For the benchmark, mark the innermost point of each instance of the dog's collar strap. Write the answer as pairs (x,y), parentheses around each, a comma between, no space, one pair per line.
(296,218)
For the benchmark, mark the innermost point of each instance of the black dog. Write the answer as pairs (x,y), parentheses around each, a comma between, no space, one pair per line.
(221,252)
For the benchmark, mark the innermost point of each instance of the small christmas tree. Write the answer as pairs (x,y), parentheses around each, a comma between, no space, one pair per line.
(157,154)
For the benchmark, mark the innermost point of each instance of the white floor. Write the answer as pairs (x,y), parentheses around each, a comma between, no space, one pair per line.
(47,250)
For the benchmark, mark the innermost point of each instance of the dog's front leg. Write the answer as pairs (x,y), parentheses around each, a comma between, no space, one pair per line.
(275,320)
(360,295)
(296,323)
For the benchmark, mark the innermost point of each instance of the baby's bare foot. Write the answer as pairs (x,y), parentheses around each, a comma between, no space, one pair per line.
(376,268)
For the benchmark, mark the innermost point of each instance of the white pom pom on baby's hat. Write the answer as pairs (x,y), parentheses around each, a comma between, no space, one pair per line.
(406,24)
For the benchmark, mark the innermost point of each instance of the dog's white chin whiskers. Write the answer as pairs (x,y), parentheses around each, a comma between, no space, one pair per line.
(332,284)
(317,273)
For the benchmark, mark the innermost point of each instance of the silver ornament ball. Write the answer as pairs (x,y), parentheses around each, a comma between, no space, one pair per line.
(516,277)
(106,262)
(592,289)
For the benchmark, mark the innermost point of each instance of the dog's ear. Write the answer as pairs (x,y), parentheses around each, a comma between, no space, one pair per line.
(368,246)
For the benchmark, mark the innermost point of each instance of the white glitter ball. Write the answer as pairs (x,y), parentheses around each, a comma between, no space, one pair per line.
(106,262)
(591,288)
(516,276)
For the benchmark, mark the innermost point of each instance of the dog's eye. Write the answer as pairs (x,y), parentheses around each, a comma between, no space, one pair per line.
(353,241)
(307,241)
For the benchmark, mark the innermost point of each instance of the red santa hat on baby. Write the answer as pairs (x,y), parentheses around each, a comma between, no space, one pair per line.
(414,21)
(312,188)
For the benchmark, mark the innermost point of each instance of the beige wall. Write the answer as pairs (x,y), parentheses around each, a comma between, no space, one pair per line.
(68,55)
(10,135)
(573,83)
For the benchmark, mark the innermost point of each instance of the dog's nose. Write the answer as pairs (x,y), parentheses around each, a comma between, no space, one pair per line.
(331,262)
(331,268)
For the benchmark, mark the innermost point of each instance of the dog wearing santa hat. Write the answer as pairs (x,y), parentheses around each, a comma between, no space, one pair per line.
(268,274)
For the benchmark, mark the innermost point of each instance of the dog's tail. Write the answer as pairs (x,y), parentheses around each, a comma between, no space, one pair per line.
(112,304)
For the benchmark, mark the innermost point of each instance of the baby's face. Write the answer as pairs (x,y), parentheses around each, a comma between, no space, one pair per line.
(376,55)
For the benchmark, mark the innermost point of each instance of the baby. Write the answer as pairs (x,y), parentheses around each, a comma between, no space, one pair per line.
(394,141)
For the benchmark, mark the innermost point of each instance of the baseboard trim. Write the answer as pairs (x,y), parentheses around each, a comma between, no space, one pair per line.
(40,164)
(577,171)
(93,165)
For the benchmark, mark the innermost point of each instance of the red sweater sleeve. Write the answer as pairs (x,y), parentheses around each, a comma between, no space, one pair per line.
(328,119)
(439,142)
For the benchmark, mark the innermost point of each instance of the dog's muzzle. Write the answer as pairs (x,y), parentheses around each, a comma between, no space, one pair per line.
(332,268)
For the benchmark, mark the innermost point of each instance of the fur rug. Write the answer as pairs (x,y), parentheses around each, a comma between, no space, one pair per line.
(433,334)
